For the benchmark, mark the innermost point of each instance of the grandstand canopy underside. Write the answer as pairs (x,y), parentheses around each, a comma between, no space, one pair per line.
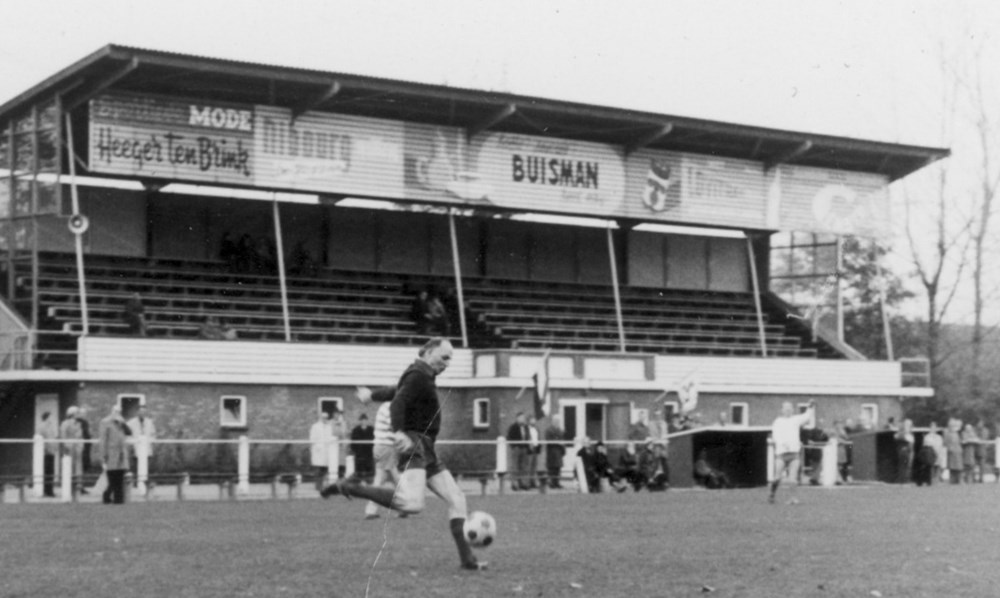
(168,151)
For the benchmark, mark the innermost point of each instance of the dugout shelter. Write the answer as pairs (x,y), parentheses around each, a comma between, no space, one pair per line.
(131,171)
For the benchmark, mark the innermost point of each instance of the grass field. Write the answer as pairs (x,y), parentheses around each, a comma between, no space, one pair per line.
(892,541)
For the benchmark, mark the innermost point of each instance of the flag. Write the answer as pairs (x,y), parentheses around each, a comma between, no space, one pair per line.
(687,392)
(543,396)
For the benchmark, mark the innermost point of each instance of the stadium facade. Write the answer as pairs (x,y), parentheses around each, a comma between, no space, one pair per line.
(130,170)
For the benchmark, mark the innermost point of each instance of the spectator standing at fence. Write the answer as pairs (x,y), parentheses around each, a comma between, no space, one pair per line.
(518,439)
(788,446)
(970,441)
(904,451)
(416,421)
(953,444)
(534,449)
(983,435)
(49,431)
(143,430)
(320,437)
(935,442)
(114,444)
(71,430)
(134,315)
(362,437)
(555,450)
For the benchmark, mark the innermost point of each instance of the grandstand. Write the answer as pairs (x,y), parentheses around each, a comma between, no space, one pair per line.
(364,190)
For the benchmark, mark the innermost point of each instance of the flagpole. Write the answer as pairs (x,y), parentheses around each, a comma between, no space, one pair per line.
(614,286)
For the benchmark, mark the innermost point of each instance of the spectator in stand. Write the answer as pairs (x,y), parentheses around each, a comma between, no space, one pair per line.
(71,429)
(420,312)
(229,252)
(362,439)
(554,451)
(638,431)
(134,315)
(246,255)
(301,262)
(481,332)
(904,452)
(320,436)
(970,441)
(214,328)
(49,431)
(518,438)
(953,444)
(114,434)
(534,449)
(709,476)
(651,472)
(143,429)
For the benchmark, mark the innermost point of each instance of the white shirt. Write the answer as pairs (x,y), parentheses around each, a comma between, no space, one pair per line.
(785,432)
(383,425)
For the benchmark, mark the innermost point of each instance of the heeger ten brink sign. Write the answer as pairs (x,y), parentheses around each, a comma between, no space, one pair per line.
(155,137)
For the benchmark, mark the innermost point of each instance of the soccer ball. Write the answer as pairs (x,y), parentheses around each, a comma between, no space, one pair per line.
(480,529)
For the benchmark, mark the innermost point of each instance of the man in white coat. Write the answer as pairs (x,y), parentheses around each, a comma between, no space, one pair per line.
(787,446)
(320,436)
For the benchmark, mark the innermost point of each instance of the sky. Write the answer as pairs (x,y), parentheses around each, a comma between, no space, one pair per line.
(851,68)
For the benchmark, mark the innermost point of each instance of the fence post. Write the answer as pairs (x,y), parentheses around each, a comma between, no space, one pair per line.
(828,464)
(770,459)
(501,462)
(244,465)
(142,465)
(66,481)
(38,466)
(348,466)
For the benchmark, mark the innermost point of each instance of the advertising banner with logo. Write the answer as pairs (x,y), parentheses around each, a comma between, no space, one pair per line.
(150,136)
(546,175)
(695,189)
(832,201)
(328,153)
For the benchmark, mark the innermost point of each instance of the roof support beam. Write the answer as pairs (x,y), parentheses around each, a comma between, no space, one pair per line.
(789,155)
(71,102)
(491,121)
(649,138)
(316,100)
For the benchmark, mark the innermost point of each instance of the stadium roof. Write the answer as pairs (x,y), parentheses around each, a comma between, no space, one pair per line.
(147,71)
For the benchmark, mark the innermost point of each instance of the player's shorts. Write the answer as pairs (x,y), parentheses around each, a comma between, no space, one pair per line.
(385,457)
(421,456)
(789,458)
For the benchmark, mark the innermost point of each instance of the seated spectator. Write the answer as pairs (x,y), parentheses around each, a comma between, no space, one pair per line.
(215,329)
(604,469)
(628,465)
(301,262)
(596,466)
(134,315)
(707,475)
(428,314)
(651,473)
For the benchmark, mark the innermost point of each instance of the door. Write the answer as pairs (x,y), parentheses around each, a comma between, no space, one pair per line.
(584,417)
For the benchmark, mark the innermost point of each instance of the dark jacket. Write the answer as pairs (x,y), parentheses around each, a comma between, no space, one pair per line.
(415,406)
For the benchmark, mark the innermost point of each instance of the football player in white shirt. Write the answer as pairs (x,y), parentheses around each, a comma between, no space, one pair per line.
(787,446)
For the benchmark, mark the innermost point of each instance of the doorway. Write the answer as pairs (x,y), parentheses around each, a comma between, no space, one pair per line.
(584,417)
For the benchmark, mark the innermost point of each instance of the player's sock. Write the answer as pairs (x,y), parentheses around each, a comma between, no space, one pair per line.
(464,549)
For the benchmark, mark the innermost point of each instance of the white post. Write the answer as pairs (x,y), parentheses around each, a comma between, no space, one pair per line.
(348,466)
(828,464)
(458,277)
(501,455)
(756,297)
(581,475)
(38,466)
(78,238)
(770,460)
(280,258)
(243,475)
(66,485)
(614,286)
(142,464)
(332,459)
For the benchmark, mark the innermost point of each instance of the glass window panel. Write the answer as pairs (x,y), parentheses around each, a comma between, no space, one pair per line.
(23,154)
(4,149)
(22,196)
(4,197)
(826,259)
(48,197)
(23,124)
(47,116)
(48,151)
(22,234)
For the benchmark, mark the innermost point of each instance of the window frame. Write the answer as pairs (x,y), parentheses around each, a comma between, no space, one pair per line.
(477,422)
(241,422)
